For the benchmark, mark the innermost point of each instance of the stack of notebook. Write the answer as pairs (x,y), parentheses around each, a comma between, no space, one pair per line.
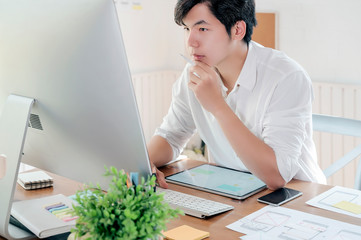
(35,180)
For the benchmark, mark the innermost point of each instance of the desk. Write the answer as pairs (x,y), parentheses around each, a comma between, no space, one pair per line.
(215,225)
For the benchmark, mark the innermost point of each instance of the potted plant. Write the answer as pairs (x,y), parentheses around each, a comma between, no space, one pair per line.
(125,211)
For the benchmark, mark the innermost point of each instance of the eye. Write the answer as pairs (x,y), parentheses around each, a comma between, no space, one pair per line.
(203,29)
(186,28)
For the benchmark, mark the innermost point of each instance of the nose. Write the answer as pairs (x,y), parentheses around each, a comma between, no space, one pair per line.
(192,39)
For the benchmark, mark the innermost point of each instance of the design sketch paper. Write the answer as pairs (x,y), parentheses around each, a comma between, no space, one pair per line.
(332,199)
(284,223)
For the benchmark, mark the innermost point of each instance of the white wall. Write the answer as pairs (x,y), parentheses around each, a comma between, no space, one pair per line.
(152,39)
(324,36)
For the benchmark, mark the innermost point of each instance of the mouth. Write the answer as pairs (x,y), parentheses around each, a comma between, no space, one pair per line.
(197,57)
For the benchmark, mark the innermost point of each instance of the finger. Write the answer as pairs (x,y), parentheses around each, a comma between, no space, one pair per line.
(202,64)
(193,78)
(159,176)
(201,67)
(200,70)
(192,86)
(196,74)
(161,179)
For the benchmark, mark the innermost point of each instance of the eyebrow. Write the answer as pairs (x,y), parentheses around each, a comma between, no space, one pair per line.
(198,23)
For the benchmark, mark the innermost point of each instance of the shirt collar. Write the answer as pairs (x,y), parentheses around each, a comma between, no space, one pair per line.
(248,76)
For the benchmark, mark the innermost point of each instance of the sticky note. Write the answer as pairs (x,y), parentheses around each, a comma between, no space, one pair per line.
(185,232)
(137,7)
(349,206)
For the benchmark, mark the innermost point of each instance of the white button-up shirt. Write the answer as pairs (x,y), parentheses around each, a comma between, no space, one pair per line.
(272,97)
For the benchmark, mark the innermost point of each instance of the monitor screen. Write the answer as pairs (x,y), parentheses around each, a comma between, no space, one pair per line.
(69,56)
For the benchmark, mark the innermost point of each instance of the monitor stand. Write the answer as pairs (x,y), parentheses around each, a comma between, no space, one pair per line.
(13,126)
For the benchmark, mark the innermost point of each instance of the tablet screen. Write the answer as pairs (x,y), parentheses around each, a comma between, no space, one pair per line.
(220,180)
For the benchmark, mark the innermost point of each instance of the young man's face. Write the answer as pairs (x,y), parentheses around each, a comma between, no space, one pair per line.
(206,37)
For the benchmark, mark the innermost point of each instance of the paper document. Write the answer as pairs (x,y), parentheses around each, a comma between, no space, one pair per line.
(339,199)
(284,223)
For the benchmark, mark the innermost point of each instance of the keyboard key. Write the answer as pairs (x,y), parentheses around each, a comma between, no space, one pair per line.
(192,205)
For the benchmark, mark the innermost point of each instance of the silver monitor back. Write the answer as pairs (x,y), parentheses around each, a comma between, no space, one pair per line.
(69,56)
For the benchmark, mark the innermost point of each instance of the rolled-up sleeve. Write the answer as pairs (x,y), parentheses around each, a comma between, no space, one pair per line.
(178,125)
(287,122)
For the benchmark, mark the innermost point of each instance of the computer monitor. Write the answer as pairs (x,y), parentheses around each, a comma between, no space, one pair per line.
(67,55)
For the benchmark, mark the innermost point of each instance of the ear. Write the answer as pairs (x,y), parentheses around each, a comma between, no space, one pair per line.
(239,30)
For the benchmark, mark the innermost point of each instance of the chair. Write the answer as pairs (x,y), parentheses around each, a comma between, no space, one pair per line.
(343,126)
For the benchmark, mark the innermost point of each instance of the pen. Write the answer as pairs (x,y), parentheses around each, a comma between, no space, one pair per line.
(191,63)
(187,59)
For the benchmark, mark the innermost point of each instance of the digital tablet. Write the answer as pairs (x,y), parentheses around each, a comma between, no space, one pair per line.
(219,180)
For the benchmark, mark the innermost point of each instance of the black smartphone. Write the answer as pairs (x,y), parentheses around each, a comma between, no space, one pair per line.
(279,196)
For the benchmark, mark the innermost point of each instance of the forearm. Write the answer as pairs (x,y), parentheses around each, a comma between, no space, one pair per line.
(159,151)
(257,156)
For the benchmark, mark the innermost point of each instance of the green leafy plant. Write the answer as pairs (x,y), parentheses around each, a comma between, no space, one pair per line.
(123,212)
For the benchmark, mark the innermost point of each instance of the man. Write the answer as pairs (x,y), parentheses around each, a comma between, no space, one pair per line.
(251,105)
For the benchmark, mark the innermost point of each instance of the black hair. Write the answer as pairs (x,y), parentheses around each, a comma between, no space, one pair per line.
(228,12)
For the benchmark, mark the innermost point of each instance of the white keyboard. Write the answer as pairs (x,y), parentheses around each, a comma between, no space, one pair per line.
(192,205)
